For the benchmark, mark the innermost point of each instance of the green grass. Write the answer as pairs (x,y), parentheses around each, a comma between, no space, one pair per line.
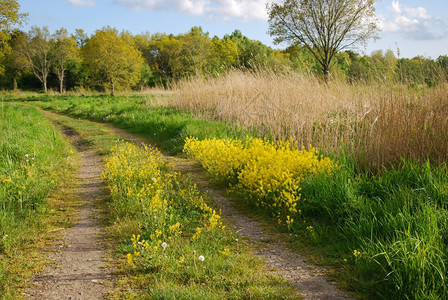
(159,274)
(164,208)
(396,218)
(32,155)
(166,127)
(385,234)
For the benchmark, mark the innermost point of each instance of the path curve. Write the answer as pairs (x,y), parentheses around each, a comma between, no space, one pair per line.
(79,271)
(308,278)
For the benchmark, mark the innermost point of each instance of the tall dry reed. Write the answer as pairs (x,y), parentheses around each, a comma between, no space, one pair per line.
(379,124)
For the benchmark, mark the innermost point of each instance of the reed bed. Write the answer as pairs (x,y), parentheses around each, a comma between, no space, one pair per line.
(378,124)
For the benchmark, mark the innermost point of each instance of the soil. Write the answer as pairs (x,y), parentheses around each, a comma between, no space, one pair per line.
(308,278)
(78,270)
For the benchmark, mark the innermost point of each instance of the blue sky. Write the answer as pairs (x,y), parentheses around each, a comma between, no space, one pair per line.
(417,27)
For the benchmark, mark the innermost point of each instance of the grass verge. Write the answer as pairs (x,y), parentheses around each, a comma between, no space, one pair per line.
(32,155)
(383,233)
(167,127)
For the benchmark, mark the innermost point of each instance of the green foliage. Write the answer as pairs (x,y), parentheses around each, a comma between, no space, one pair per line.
(443,63)
(168,127)
(9,16)
(385,233)
(223,55)
(14,62)
(112,62)
(252,54)
(419,71)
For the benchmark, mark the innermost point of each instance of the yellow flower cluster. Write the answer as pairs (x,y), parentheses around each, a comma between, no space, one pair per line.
(223,158)
(356,253)
(132,173)
(269,174)
(142,188)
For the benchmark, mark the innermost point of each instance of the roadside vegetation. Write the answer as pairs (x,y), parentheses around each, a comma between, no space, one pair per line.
(166,126)
(388,229)
(179,247)
(32,155)
(378,218)
(168,241)
(380,215)
(347,152)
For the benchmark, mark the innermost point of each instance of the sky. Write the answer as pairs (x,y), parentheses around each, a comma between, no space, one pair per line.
(415,27)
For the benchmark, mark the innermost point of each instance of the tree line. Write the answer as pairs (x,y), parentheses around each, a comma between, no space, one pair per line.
(109,60)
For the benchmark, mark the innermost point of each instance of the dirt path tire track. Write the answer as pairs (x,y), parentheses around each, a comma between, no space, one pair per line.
(308,278)
(78,272)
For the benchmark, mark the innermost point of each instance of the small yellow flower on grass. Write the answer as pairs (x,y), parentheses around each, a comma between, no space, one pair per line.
(197,233)
(225,252)
(130,259)
(356,253)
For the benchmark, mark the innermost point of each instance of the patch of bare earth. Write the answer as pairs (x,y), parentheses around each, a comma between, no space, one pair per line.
(78,271)
(308,278)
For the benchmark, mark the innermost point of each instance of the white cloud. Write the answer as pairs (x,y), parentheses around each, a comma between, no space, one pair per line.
(412,23)
(396,7)
(225,9)
(81,3)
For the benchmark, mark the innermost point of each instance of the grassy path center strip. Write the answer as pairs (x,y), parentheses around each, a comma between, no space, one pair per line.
(308,278)
(185,251)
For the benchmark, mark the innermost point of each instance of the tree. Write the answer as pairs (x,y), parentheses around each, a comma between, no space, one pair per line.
(223,55)
(252,54)
(442,61)
(80,37)
(195,49)
(111,61)
(164,56)
(37,49)
(9,15)
(64,50)
(325,27)
(419,71)
(15,63)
